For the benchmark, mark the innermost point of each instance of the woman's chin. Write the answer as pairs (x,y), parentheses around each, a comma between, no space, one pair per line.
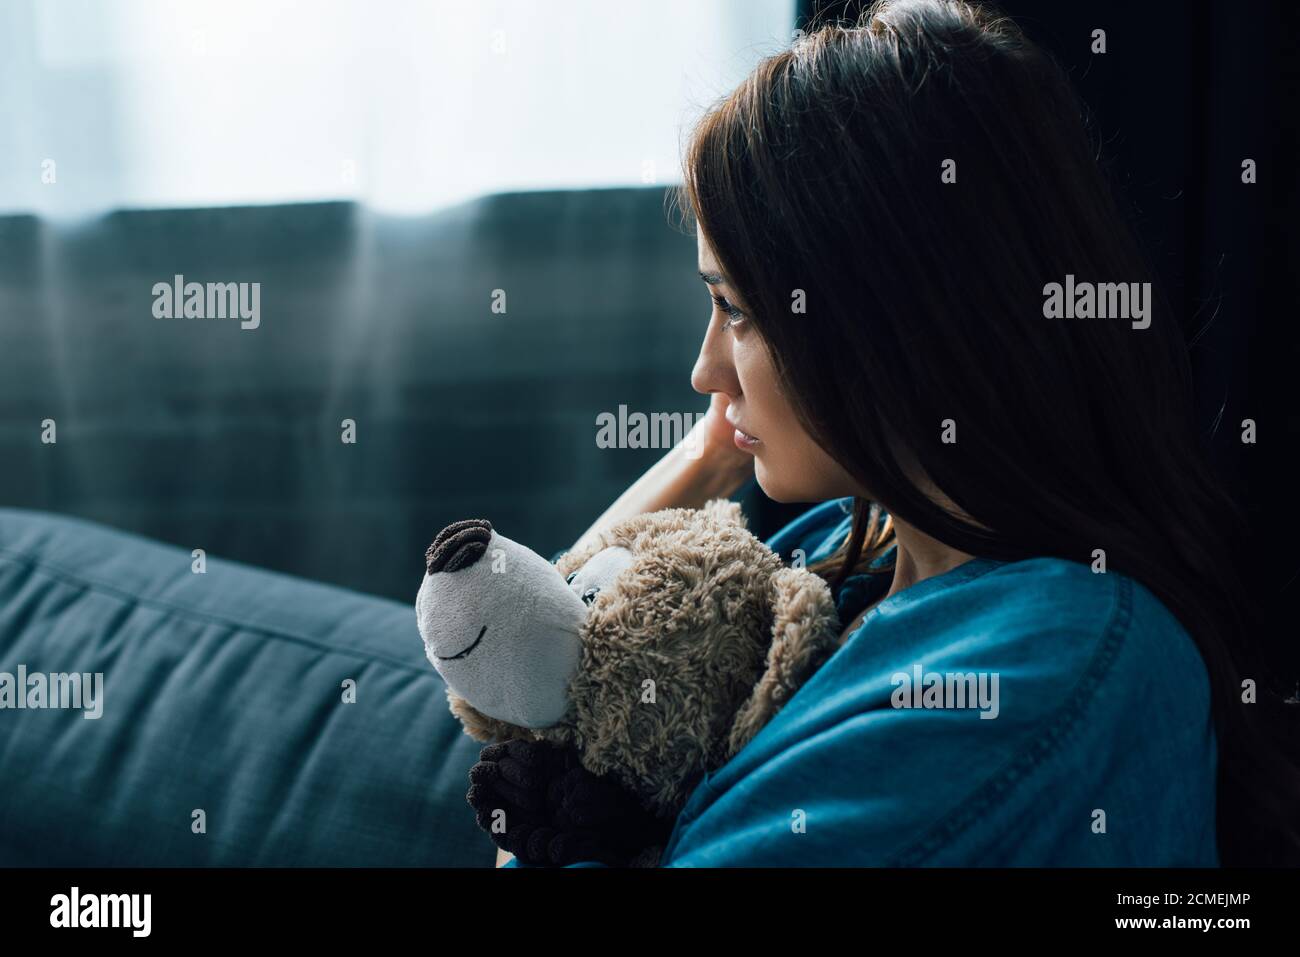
(775,490)
(808,487)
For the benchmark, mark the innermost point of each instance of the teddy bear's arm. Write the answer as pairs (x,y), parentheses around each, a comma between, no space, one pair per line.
(548,810)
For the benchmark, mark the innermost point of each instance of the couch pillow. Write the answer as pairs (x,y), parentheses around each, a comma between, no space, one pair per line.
(222,693)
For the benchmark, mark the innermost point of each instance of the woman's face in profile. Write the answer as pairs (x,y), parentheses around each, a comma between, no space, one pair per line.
(734,361)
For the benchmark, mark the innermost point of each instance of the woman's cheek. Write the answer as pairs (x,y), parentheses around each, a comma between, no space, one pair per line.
(757,379)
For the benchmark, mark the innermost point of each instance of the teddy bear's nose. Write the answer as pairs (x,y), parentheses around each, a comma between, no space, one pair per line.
(458,546)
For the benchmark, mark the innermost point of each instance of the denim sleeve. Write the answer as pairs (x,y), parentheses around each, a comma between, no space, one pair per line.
(1100,750)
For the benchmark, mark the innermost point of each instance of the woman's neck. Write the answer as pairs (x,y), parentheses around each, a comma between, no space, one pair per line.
(921,557)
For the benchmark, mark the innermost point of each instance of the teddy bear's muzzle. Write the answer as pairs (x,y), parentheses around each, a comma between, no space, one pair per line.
(458,546)
(504,632)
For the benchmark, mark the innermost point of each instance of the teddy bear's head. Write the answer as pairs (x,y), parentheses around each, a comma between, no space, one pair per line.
(658,651)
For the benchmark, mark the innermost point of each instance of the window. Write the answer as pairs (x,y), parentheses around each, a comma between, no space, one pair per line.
(407,106)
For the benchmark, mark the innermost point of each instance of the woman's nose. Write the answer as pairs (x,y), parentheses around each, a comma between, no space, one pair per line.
(458,546)
(713,370)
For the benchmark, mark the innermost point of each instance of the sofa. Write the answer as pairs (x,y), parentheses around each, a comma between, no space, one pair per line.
(245,717)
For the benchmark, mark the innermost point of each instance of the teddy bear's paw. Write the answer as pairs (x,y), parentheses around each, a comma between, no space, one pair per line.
(572,847)
(648,857)
(492,809)
(539,803)
(542,845)
(583,800)
(606,815)
(509,785)
(528,766)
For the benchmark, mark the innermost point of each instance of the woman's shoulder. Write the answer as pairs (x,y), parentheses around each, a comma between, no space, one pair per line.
(1069,617)
(1074,619)
(983,716)
(1040,594)
(1062,637)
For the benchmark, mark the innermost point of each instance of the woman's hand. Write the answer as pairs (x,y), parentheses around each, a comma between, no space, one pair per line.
(704,465)
(712,438)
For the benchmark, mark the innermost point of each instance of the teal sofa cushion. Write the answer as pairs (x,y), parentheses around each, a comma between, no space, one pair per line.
(222,693)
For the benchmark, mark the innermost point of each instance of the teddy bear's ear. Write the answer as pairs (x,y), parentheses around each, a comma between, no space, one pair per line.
(805,632)
(726,511)
(479,726)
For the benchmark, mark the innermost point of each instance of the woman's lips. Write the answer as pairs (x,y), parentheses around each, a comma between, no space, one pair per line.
(743,439)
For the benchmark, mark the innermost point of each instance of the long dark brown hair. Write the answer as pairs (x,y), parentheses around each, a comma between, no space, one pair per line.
(924,313)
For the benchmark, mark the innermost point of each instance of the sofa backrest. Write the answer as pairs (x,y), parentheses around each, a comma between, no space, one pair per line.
(208,435)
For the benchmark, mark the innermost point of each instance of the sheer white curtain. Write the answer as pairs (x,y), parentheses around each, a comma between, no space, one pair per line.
(406,105)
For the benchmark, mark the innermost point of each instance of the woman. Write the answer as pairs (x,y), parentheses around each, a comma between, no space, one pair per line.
(882,212)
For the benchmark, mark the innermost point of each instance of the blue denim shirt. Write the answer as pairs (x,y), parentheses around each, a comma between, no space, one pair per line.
(1097,749)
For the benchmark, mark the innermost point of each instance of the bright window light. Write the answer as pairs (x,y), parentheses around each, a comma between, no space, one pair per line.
(405,106)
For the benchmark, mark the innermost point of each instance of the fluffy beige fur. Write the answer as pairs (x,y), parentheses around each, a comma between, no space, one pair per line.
(695,647)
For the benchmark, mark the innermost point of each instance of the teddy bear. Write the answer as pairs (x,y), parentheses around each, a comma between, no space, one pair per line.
(609,682)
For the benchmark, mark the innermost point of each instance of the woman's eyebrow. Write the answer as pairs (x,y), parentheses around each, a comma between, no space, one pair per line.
(712,278)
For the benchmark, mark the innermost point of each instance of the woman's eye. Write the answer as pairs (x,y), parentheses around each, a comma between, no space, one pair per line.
(590,595)
(734,315)
(570,577)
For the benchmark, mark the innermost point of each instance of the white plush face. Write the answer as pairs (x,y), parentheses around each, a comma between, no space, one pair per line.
(503,630)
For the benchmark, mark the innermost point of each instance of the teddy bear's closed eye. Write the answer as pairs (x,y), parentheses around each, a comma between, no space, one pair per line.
(462,654)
